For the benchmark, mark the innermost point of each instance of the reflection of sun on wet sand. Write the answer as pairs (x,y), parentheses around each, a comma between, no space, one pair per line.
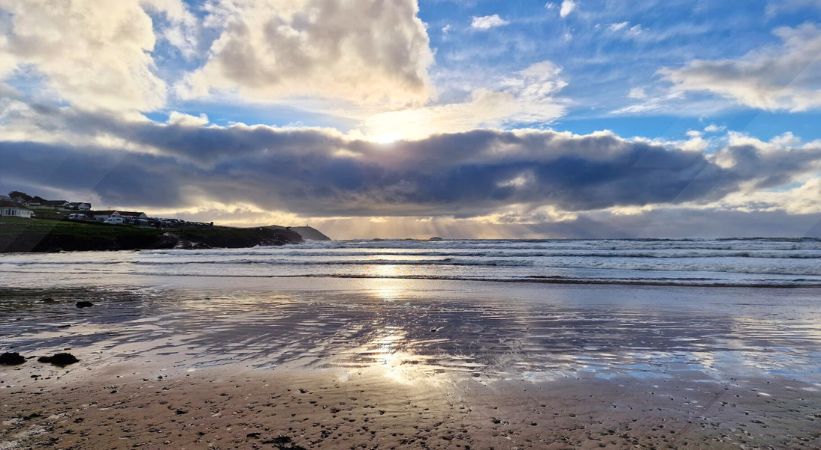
(384,285)
(409,363)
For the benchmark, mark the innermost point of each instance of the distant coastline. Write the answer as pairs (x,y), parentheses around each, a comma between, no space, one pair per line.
(38,235)
(35,224)
(44,235)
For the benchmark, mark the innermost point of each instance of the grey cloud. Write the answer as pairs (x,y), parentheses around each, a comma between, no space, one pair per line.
(317,173)
(118,178)
(684,222)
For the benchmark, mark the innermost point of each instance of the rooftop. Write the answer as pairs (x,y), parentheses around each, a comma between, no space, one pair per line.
(8,203)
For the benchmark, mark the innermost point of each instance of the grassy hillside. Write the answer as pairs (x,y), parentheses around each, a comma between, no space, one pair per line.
(50,213)
(40,235)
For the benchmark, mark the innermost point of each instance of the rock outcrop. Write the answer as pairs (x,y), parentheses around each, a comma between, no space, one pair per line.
(310,234)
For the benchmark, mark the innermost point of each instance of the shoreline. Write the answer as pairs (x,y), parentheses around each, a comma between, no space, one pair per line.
(431,278)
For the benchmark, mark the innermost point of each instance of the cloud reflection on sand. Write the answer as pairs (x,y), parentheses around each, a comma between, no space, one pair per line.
(430,332)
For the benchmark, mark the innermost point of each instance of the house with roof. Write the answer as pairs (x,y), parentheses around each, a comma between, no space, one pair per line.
(10,208)
(79,206)
(53,204)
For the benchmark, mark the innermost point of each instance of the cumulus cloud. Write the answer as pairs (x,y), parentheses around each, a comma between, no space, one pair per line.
(802,199)
(487,22)
(321,173)
(93,55)
(369,51)
(784,77)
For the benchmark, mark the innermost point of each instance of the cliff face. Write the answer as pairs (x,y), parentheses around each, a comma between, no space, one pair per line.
(310,234)
(32,235)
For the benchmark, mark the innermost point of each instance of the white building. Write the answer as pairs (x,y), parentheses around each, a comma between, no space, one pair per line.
(11,209)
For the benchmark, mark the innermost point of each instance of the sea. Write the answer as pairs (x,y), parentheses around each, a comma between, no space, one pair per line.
(433,310)
(763,262)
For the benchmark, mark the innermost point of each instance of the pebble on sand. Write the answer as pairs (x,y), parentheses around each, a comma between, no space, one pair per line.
(59,359)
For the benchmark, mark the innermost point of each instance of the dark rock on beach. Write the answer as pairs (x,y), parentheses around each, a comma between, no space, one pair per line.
(84,304)
(11,359)
(59,359)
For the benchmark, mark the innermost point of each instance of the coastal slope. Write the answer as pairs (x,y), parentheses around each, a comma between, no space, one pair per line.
(26,235)
(311,234)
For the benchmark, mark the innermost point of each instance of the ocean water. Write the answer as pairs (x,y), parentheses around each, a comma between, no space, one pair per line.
(697,262)
(503,309)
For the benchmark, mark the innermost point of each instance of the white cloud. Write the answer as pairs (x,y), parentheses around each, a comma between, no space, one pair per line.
(487,22)
(618,26)
(634,31)
(783,142)
(784,77)
(637,93)
(695,143)
(528,96)
(182,119)
(182,28)
(366,52)
(92,56)
(713,128)
(568,6)
(801,199)
(625,29)
(775,7)
(649,103)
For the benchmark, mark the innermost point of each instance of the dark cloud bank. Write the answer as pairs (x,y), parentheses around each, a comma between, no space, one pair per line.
(317,173)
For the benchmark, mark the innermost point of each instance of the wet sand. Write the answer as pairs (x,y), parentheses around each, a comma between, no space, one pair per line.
(214,409)
(412,365)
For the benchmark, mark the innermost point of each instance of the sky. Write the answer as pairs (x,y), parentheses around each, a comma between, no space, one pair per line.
(419,118)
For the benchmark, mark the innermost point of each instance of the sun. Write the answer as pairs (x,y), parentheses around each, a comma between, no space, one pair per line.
(386,138)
